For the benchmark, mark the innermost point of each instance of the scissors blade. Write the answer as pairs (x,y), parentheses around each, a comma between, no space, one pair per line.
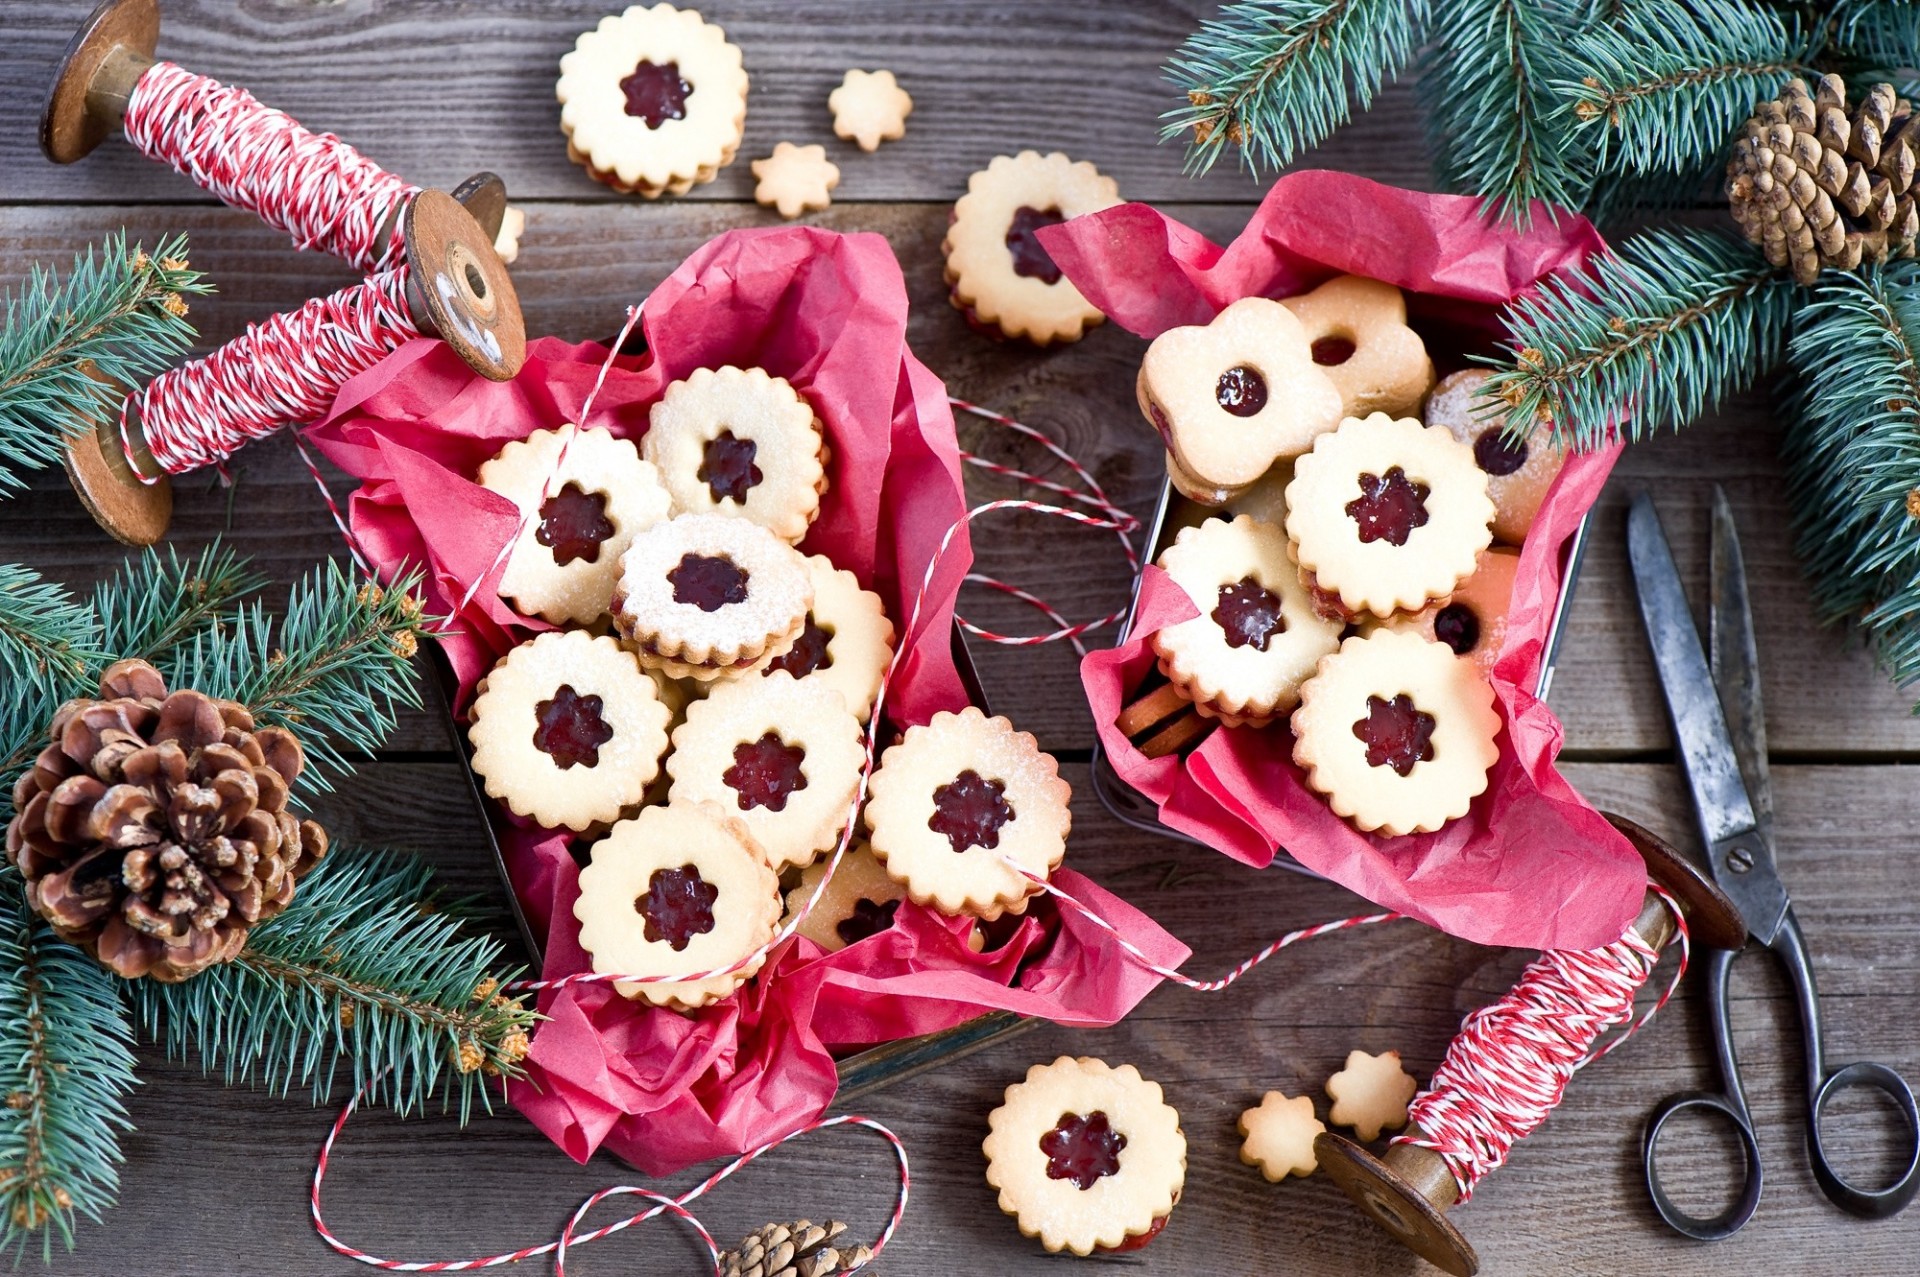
(1739,851)
(1735,657)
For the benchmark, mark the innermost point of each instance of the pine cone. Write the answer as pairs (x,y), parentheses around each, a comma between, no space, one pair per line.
(1815,186)
(799,1249)
(154,830)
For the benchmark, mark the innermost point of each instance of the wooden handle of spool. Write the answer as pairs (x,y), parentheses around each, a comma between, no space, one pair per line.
(112,49)
(1409,1191)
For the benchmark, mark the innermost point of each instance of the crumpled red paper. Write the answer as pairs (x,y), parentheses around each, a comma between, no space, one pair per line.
(1532,864)
(828,312)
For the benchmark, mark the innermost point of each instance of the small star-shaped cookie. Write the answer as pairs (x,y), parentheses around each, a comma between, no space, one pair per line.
(869,108)
(795,179)
(1371,1094)
(1280,1136)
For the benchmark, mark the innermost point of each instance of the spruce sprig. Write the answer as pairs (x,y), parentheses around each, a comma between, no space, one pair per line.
(1275,77)
(1669,324)
(357,967)
(48,639)
(66,1066)
(118,318)
(1666,84)
(1876,33)
(159,600)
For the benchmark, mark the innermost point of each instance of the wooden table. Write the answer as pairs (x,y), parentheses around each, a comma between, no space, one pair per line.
(215,1179)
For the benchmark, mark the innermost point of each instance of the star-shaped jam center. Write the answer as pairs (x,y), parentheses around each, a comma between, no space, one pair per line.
(970,810)
(573,523)
(655,93)
(1389,509)
(765,772)
(708,582)
(1397,734)
(568,728)
(726,467)
(1030,260)
(869,918)
(1249,614)
(677,906)
(808,653)
(1083,1149)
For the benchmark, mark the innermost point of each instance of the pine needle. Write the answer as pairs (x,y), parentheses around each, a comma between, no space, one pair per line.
(159,600)
(47,638)
(1876,32)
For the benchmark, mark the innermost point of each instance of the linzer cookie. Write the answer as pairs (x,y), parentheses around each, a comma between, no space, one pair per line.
(678,890)
(956,799)
(568,730)
(703,596)
(739,441)
(998,272)
(1266,497)
(846,640)
(1397,732)
(782,754)
(1232,397)
(1386,515)
(860,900)
(565,564)
(1358,328)
(1518,474)
(1474,621)
(1086,1157)
(653,100)
(1257,636)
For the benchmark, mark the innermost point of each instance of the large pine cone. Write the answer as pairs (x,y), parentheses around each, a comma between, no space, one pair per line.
(1815,186)
(154,830)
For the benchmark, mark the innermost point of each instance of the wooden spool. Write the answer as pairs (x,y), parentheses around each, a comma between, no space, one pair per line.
(1409,1191)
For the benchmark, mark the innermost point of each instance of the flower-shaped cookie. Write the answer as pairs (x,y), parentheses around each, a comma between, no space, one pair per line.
(1086,1156)
(846,641)
(1279,1136)
(1232,397)
(869,108)
(1397,732)
(1519,475)
(1359,332)
(703,595)
(1371,1094)
(1387,514)
(1257,637)
(739,441)
(795,179)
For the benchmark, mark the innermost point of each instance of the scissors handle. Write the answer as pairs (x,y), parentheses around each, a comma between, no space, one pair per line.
(1729,1103)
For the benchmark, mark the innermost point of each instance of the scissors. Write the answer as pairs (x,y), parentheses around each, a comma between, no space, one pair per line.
(1721,738)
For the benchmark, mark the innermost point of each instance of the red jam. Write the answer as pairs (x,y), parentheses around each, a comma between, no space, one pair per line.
(970,810)
(1497,455)
(808,653)
(1029,258)
(1249,614)
(1083,1149)
(677,906)
(765,772)
(727,468)
(1389,509)
(569,729)
(1396,734)
(573,523)
(656,93)
(1138,1241)
(1241,390)
(1457,627)
(1332,351)
(708,583)
(869,918)
(1160,423)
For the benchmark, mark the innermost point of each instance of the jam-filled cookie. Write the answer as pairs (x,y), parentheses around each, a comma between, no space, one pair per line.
(955,800)
(782,754)
(846,641)
(653,100)
(1518,474)
(568,730)
(1386,514)
(1086,1157)
(1265,498)
(739,441)
(1397,732)
(1232,397)
(1359,332)
(1257,636)
(677,890)
(1474,621)
(703,595)
(860,900)
(565,564)
(998,272)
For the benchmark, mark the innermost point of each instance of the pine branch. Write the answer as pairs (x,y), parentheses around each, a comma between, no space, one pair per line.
(1853,454)
(1876,32)
(118,317)
(66,1066)
(47,639)
(336,669)
(159,601)
(357,966)
(1492,115)
(1657,332)
(1275,77)
(1666,87)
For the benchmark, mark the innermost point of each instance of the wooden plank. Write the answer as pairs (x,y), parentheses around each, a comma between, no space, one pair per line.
(435,89)
(1569,1201)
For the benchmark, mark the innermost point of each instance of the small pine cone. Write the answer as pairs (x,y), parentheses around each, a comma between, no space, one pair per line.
(1817,185)
(154,832)
(798,1249)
